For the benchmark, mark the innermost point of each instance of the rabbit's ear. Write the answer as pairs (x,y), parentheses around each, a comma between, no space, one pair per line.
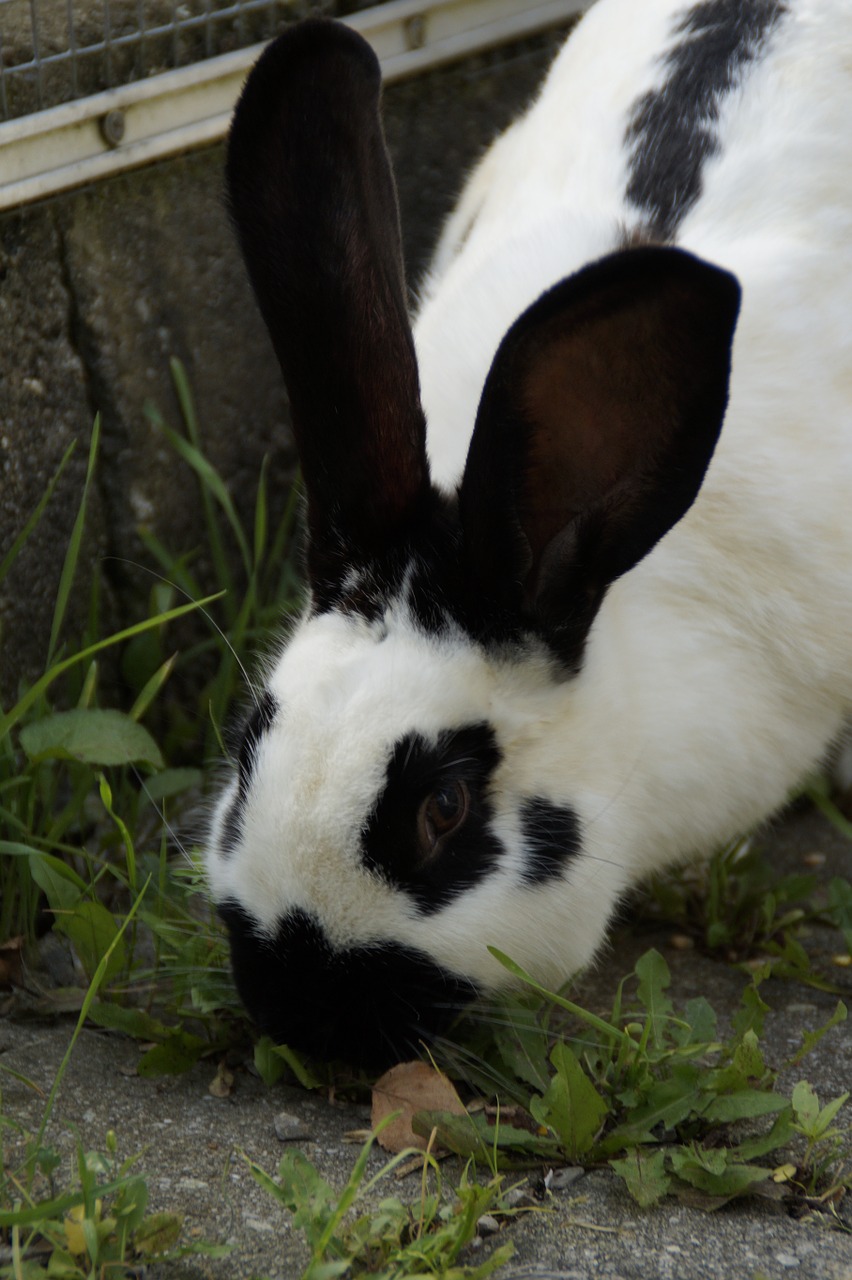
(314,201)
(597,423)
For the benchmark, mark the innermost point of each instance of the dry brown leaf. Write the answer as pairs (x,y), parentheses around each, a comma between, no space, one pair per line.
(408,1088)
(222,1084)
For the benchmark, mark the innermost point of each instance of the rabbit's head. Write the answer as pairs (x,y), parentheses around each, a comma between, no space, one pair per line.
(417,782)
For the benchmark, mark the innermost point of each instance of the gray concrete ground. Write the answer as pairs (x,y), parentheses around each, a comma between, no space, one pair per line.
(195,1144)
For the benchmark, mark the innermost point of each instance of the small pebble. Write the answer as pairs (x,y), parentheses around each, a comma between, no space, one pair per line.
(487,1226)
(681,942)
(842,961)
(787,1259)
(561,1179)
(290,1128)
(258,1224)
(518,1195)
(814,859)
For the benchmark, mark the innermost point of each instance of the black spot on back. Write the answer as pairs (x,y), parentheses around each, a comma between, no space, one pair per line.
(369,1005)
(672,130)
(418,767)
(551,837)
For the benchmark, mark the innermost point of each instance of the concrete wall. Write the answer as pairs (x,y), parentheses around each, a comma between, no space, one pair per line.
(99,288)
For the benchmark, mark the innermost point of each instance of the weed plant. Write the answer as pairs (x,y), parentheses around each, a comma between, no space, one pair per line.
(89,800)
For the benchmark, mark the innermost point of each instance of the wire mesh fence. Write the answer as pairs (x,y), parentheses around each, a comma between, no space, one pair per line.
(53,51)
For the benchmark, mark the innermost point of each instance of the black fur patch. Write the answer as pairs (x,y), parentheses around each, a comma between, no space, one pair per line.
(551,836)
(369,1005)
(256,725)
(672,129)
(416,768)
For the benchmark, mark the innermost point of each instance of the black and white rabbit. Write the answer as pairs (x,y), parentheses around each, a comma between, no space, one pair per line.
(580,558)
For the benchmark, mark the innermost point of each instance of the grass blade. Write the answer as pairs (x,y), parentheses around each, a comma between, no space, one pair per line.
(72,554)
(11,718)
(12,554)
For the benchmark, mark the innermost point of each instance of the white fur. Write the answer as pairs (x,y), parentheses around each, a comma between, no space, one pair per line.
(717,671)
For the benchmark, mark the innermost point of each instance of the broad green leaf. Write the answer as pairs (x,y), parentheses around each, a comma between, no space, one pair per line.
(14,848)
(133,1022)
(269,1064)
(522,1045)
(272,1060)
(474,1136)
(729,1178)
(131,1203)
(571,1106)
(460,1134)
(829,1111)
(60,883)
(303,1191)
(743,1105)
(780,1135)
(701,1019)
(158,1233)
(805,1105)
(745,1065)
(654,978)
(92,930)
(306,1078)
(753,1010)
(645,1175)
(812,1038)
(171,782)
(174,1056)
(668,1104)
(748,1059)
(95,736)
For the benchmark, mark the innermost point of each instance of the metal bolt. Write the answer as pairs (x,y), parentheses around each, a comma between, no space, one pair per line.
(415,31)
(112,128)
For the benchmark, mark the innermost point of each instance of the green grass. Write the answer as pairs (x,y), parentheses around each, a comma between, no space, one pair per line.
(391,1239)
(90,794)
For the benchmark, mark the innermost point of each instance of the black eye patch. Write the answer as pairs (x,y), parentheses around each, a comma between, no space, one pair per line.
(551,836)
(420,767)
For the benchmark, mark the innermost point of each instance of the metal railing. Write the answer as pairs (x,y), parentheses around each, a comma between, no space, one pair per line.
(54,51)
(150,117)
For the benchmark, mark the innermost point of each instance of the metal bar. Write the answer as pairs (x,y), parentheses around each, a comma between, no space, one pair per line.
(72,44)
(64,147)
(173,25)
(34,27)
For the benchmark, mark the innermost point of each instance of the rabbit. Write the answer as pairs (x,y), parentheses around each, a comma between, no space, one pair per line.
(578,541)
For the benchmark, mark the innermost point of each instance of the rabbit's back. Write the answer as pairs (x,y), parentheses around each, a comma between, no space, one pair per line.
(719,127)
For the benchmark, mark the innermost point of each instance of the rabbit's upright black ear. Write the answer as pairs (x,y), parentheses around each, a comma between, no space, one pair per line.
(314,202)
(596,426)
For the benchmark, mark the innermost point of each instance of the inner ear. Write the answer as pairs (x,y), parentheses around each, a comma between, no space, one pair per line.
(596,426)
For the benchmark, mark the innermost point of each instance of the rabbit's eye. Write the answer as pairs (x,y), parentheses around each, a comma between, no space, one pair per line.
(441,813)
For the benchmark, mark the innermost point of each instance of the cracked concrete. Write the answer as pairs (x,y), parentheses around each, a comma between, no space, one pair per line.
(45,408)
